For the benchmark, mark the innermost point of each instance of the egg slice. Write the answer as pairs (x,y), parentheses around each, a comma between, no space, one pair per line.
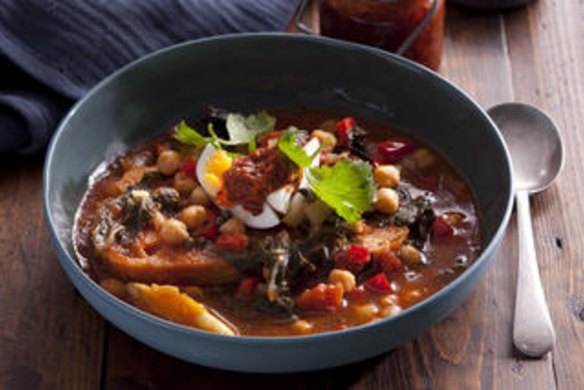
(211,166)
(280,199)
(265,220)
(213,163)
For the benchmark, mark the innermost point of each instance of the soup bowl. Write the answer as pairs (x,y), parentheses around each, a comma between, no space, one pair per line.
(266,71)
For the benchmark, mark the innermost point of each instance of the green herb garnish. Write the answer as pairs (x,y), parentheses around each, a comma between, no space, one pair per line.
(189,136)
(245,130)
(347,187)
(288,144)
(241,130)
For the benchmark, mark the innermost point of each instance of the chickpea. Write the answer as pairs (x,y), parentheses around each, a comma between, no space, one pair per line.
(158,220)
(173,232)
(424,158)
(386,175)
(302,326)
(114,286)
(365,313)
(390,311)
(193,216)
(324,136)
(344,278)
(184,184)
(410,255)
(232,225)
(199,196)
(387,201)
(168,162)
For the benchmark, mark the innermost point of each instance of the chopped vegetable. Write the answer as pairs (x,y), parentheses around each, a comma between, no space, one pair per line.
(395,149)
(441,228)
(388,262)
(347,187)
(168,302)
(344,128)
(321,298)
(247,286)
(378,284)
(189,168)
(354,258)
(232,241)
(210,228)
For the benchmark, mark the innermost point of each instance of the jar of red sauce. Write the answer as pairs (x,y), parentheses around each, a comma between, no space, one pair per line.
(414,28)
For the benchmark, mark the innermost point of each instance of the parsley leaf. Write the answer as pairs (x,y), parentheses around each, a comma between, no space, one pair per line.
(189,136)
(245,130)
(288,144)
(347,187)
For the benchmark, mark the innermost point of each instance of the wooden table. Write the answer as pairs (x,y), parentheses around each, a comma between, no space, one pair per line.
(50,338)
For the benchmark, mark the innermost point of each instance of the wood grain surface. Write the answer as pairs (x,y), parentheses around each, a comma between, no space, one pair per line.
(50,338)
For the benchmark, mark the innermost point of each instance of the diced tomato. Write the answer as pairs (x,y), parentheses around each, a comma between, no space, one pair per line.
(357,294)
(378,284)
(358,254)
(210,228)
(321,298)
(354,258)
(441,228)
(344,128)
(247,286)
(188,167)
(427,182)
(395,149)
(388,262)
(232,241)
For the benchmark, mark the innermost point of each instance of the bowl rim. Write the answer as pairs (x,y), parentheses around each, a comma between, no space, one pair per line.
(151,319)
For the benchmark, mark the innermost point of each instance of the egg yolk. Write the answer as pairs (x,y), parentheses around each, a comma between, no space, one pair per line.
(216,166)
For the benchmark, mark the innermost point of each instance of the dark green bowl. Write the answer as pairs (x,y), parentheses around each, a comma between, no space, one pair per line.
(264,71)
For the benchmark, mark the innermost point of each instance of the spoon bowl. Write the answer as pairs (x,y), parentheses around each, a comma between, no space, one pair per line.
(537,155)
(534,143)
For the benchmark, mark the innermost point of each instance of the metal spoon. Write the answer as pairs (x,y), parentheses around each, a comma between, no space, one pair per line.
(538,156)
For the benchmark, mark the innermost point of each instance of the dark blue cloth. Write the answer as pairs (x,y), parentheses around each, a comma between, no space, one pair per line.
(53,51)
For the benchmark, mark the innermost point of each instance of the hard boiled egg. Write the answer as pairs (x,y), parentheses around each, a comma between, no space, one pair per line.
(211,166)
(213,163)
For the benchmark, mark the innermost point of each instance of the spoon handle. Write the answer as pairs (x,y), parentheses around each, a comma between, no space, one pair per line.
(533,331)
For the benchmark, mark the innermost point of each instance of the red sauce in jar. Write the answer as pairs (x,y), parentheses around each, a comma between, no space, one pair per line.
(387,24)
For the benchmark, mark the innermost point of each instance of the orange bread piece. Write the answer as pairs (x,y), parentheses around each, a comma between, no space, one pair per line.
(170,265)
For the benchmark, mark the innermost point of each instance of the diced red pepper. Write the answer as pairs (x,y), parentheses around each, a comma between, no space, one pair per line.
(378,284)
(321,298)
(395,149)
(357,294)
(427,182)
(232,241)
(188,167)
(247,286)
(210,229)
(388,262)
(344,128)
(441,228)
(354,258)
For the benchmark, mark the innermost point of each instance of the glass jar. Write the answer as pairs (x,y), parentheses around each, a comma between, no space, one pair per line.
(414,28)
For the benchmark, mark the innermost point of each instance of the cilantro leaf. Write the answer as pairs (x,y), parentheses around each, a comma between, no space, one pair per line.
(288,144)
(347,187)
(245,130)
(189,136)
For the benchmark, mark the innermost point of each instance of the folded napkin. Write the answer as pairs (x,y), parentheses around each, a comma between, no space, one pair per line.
(53,51)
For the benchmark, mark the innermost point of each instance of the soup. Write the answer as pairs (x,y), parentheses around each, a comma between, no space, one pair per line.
(290,223)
